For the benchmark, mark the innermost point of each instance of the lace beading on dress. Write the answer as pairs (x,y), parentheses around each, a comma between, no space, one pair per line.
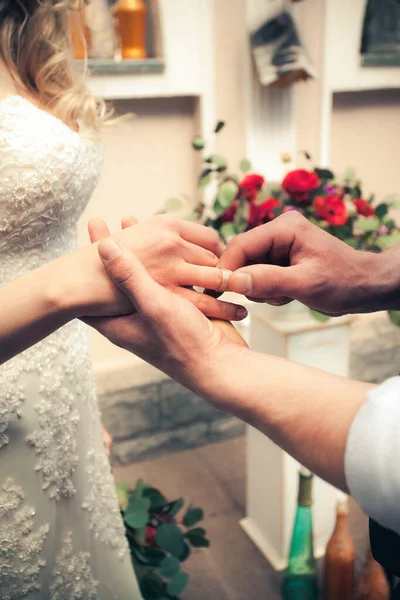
(58,508)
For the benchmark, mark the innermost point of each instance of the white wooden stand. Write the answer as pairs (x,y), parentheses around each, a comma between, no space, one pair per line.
(272,475)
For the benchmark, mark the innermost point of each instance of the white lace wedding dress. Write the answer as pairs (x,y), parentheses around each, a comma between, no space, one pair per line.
(61,534)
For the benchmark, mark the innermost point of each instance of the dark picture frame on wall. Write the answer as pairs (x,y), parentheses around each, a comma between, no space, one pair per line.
(380,41)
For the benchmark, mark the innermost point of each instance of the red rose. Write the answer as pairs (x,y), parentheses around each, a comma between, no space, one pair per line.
(299,183)
(331,209)
(250,186)
(363,208)
(262,213)
(150,536)
(229,214)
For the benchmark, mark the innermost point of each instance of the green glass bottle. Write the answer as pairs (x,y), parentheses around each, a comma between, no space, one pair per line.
(300,581)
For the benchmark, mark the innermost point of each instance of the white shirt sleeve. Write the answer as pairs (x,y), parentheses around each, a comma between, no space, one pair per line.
(372,458)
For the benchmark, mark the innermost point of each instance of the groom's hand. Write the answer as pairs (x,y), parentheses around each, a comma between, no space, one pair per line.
(290,258)
(167,330)
(177,254)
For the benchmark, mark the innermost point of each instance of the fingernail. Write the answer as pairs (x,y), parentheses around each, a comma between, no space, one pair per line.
(242,283)
(109,249)
(241,313)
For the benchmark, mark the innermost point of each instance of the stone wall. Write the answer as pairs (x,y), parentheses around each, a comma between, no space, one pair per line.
(148,414)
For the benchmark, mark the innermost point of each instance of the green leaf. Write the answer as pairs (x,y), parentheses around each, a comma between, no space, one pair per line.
(139,488)
(194,515)
(154,556)
(169,566)
(240,221)
(349,175)
(381,210)
(351,242)
(198,142)
(157,500)
(122,495)
(394,316)
(218,161)
(218,209)
(219,126)
(371,199)
(152,586)
(170,539)
(227,193)
(367,224)
(172,508)
(319,316)
(227,231)
(325,174)
(173,204)
(137,513)
(199,541)
(186,553)
(390,223)
(197,531)
(245,165)
(177,584)
(384,242)
(205,178)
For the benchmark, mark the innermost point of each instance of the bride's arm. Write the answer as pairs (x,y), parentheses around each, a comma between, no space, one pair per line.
(176,253)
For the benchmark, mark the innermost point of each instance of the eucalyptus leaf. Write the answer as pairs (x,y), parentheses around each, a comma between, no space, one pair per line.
(139,489)
(157,500)
(218,161)
(227,193)
(153,586)
(198,142)
(384,242)
(349,175)
(205,178)
(196,531)
(219,126)
(173,204)
(227,231)
(367,224)
(186,553)
(325,174)
(172,508)
(169,566)
(170,539)
(351,242)
(198,541)
(394,316)
(245,165)
(218,209)
(122,495)
(194,515)
(137,512)
(319,316)
(381,210)
(177,584)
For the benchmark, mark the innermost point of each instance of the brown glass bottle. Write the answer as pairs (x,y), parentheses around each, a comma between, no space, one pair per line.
(339,559)
(131,19)
(372,584)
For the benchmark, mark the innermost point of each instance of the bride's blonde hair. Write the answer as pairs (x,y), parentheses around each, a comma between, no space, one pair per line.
(36,47)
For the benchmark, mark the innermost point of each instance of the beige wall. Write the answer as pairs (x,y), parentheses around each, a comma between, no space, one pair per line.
(365,134)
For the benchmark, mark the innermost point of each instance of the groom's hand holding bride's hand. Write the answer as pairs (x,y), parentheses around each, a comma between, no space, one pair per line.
(167,330)
(178,255)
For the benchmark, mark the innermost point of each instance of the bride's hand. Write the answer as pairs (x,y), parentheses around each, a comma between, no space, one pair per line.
(167,330)
(177,254)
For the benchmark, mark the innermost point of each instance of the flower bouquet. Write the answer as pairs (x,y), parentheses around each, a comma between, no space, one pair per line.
(335,203)
(159,540)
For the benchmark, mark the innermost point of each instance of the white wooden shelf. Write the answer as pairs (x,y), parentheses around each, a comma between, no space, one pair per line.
(186,52)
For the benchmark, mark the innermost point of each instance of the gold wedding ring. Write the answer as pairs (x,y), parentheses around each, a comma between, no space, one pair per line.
(225,274)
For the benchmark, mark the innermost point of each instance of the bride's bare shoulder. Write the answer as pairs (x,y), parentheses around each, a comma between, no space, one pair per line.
(7,85)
